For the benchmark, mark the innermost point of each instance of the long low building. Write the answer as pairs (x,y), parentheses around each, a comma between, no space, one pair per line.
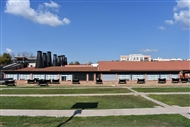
(106,70)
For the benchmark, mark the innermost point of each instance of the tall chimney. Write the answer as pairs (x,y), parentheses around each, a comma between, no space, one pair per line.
(39,60)
(59,61)
(62,57)
(49,60)
(54,59)
(45,59)
(65,60)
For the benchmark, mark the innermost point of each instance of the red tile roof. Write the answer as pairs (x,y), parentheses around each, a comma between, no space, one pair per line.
(143,66)
(116,66)
(56,69)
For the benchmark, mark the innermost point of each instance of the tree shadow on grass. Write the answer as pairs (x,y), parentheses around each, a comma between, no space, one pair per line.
(81,106)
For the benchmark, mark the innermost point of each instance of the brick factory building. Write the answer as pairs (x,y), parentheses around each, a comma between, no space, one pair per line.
(106,70)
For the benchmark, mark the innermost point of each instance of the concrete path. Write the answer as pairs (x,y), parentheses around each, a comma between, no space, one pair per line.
(107,112)
(107,94)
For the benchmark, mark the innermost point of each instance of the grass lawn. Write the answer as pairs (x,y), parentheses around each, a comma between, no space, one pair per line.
(180,89)
(181,100)
(108,121)
(102,102)
(65,91)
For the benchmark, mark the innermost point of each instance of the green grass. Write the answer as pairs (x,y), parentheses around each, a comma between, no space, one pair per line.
(108,121)
(65,91)
(180,89)
(181,100)
(104,102)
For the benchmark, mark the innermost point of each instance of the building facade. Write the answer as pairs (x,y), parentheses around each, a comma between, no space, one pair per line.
(135,57)
(106,70)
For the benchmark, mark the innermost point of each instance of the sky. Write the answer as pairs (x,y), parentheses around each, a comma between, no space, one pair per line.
(94,30)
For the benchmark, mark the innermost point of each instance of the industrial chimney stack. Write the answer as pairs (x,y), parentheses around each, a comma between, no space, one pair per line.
(54,59)
(44,59)
(49,60)
(39,60)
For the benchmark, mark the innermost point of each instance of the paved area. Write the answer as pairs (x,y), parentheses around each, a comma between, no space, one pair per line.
(107,94)
(107,112)
(162,109)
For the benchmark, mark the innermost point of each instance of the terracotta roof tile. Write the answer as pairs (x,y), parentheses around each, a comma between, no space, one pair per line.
(56,69)
(143,66)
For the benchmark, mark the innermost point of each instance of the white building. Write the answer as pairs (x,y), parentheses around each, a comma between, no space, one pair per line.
(173,59)
(135,57)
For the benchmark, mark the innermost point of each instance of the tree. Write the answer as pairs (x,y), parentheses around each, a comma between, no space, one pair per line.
(89,63)
(26,54)
(74,63)
(77,63)
(5,59)
(71,63)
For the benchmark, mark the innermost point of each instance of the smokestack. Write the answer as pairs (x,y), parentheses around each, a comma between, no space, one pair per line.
(54,59)
(49,60)
(39,60)
(65,60)
(62,57)
(44,59)
(59,61)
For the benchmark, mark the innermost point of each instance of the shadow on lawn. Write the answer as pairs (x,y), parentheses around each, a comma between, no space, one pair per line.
(82,106)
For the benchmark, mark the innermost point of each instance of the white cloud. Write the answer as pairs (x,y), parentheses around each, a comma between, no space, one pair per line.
(8,50)
(66,21)
(148,50)
(181,14)
(41,16)
(171,22)
(161,28)
(52,4)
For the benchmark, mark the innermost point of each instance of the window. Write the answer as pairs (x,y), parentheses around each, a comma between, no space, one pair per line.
(67,77)
(174,75)
(91,77)
(124,76)
(24,76)
(80,76)
(51,76)
(166,76)
(136,76)
(14,76)
(40,76)
(152,76)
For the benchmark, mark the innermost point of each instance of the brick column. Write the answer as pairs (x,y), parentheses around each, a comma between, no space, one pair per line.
(87,77)
(145,77)
(31,76)
(58,76)
(170,76)
(4,75)
(117,78)
(94,76)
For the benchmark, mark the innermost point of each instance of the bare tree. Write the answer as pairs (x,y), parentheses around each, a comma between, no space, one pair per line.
(12,54)
(26,54)
(89,63)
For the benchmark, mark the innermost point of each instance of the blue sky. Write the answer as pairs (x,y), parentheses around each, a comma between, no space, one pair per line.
(96,30)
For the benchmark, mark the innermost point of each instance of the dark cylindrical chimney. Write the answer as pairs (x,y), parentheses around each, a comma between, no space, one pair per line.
(45,59)
(59,61)
(39,60)
(62,59)
(54,59)
(65,60)
(49,60)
